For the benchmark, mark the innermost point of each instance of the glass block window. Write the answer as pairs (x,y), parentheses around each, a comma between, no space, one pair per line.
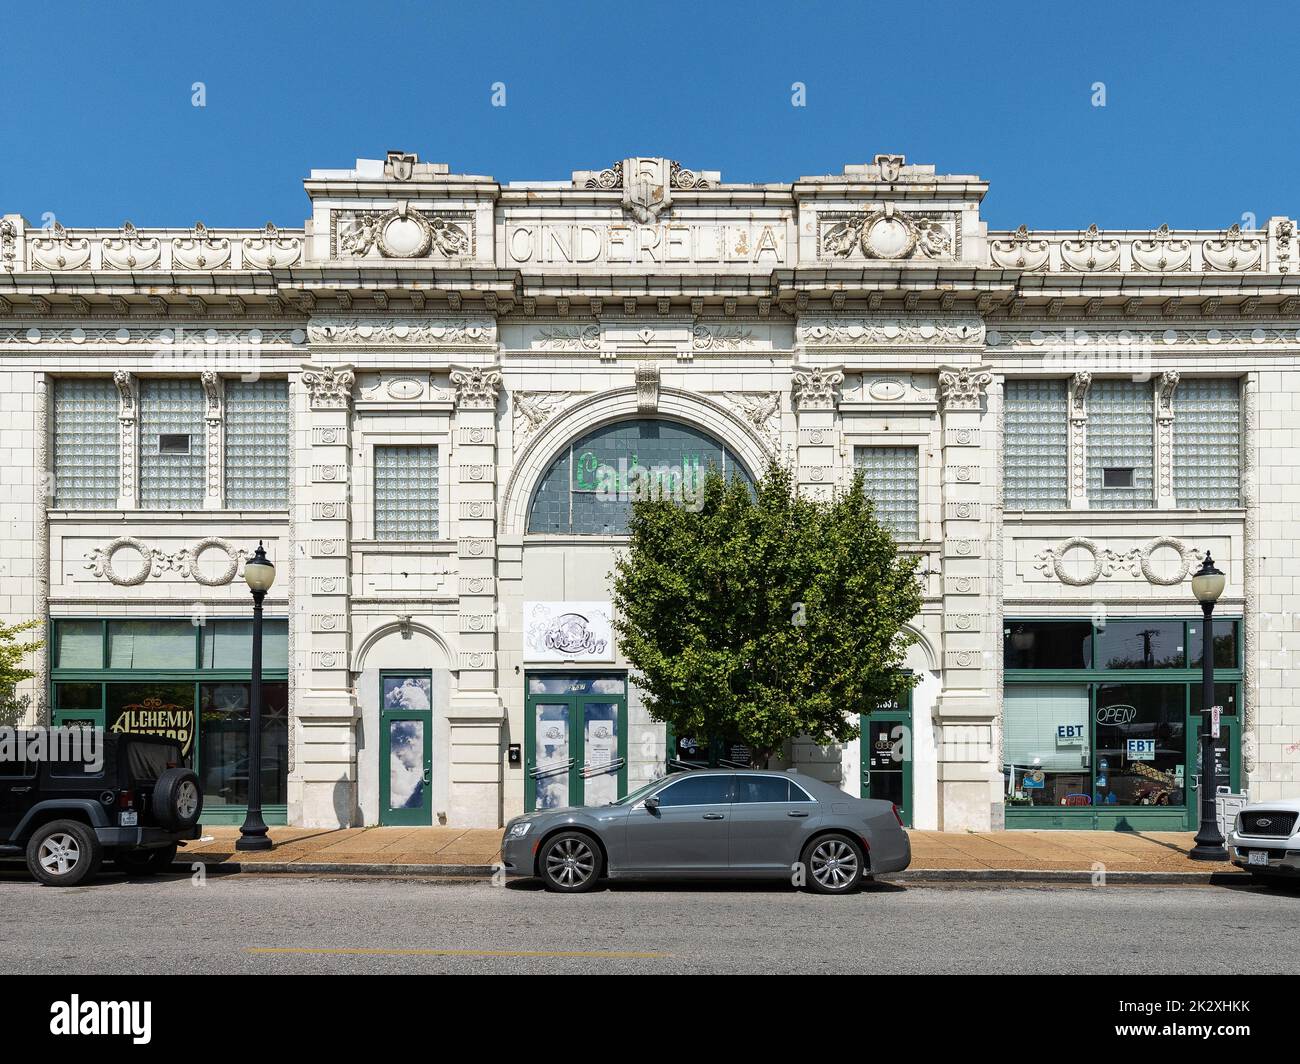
(1207,443)
(257,444)
(590,487)
(406,493)
(893,483)
(172,470)
(85,444)
(1120,428)
(1037,448)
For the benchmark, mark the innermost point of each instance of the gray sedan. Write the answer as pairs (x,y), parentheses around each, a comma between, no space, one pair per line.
(713,824)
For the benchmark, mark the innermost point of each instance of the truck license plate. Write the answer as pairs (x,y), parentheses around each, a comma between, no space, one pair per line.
(127,820)
(1259,857)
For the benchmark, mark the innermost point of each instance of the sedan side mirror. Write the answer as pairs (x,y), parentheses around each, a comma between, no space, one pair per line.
(651,804)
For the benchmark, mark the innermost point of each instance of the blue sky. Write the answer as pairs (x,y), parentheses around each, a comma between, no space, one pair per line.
(1199,127)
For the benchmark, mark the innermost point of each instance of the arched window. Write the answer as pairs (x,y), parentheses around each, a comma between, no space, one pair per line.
(589,488)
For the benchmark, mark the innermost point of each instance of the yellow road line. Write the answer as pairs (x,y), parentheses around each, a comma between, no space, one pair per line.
(379,952)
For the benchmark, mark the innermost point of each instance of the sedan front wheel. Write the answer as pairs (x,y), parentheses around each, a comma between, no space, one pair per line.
(834,864)
(570,863)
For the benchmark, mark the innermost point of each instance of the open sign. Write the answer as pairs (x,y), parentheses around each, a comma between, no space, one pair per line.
(1116,714)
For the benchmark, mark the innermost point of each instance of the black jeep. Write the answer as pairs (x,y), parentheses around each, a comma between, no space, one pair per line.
(66,814)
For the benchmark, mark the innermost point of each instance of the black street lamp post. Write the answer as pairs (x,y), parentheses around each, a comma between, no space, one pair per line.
(260,574)
(1207,586)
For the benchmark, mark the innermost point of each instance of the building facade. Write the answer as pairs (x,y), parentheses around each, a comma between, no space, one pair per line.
(433,402)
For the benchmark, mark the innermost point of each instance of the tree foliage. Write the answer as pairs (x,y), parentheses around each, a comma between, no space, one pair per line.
(763,614)
(12,707)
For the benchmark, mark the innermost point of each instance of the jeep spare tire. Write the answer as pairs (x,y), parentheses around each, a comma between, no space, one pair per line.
(177,799)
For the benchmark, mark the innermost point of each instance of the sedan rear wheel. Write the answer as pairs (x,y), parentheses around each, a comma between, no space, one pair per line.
(570,863)
(834,864)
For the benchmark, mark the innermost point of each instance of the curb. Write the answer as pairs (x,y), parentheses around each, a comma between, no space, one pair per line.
(1055,875)
(919,875)
(285,867)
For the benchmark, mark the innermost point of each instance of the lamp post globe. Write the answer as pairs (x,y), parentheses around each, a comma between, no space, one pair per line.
(1207,586)
(259,574)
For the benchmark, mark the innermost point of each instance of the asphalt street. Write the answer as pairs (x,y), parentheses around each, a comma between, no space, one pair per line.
(300,924)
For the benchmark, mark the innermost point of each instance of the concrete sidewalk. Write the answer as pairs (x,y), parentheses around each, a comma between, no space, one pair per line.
(1013,855)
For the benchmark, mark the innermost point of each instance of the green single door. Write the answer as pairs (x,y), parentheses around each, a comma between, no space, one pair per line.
(885,748)
(575,740)
(406,749)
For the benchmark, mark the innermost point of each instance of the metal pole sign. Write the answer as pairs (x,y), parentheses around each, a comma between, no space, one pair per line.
(1215,713)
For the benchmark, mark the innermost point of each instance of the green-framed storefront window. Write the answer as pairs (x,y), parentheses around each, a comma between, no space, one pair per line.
(1101,721)
(170,676)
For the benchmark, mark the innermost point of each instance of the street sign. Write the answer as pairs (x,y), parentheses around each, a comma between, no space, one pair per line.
(1216,712)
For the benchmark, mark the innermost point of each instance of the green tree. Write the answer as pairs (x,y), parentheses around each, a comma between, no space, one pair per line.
(764,615)
(12,707)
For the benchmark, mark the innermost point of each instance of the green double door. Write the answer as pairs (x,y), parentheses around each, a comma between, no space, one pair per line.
(886,755)
(575,739)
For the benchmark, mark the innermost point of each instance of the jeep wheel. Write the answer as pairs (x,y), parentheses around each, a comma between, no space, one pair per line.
(177,799)
(146,862)
(63,853)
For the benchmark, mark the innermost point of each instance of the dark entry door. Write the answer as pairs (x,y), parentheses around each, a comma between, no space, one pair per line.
(886,753)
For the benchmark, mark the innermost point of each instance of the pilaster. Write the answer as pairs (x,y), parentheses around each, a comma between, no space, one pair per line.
(966,711)
(322,788)
(128,436)
(213,416)
(815,394)
(1078,403)
(476,710)
(1164,438)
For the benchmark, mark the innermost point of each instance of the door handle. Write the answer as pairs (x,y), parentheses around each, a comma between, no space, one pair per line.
(428,775)
(19,790)
(796,812)
(714,816)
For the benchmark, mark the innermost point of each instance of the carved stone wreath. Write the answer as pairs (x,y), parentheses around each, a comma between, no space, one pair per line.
(155,562)
(1189,556)
(189,559)
(100,560)
(1107,562)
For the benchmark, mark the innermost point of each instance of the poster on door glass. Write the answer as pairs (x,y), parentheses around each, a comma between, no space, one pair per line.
(601,751)
(551,771)
(406,764)
(408,692)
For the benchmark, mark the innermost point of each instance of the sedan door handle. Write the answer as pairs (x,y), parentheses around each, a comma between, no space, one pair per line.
(796,812)
(19,790)
(714,816)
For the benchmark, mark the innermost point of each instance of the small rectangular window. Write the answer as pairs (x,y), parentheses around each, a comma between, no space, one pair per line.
(893,485)
(174,443)
(1117,477)
(406,493)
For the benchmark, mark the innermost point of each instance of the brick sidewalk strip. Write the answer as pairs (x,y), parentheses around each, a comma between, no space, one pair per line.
(936,855)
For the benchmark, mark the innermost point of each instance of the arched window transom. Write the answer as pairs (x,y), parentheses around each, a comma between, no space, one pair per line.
(589,488)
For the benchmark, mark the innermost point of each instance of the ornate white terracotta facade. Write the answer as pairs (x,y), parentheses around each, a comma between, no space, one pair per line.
(501,321)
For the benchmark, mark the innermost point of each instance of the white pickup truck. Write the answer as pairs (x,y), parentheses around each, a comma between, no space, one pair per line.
(1265,839)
